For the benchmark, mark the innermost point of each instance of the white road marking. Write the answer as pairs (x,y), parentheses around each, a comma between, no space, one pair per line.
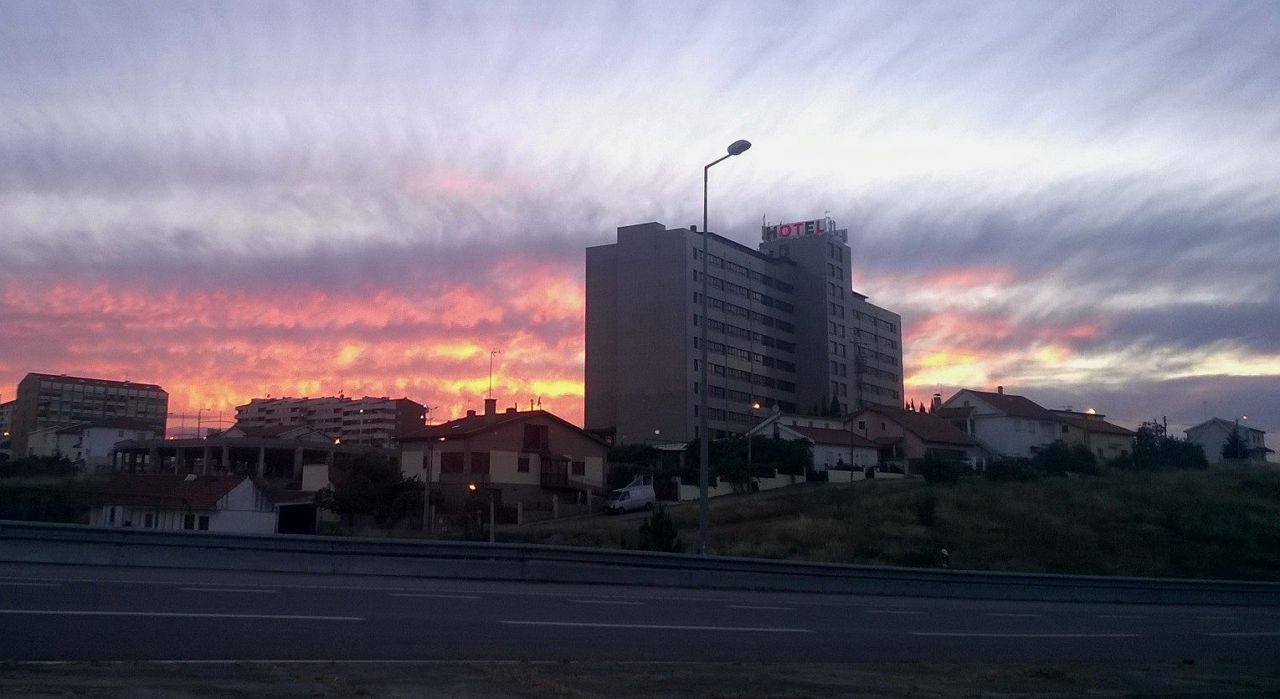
(758,606)
(956,634)
(891,611)
(664,627)
(225,589)
(607,601)
(1121,616)
(1246,633)
(429,594)
(29,584)
(1217,618)
(183,615)
(1011,614)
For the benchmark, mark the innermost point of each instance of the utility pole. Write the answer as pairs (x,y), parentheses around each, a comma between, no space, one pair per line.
(491,353)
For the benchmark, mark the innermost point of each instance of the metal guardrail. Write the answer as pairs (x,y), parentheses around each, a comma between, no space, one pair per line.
(78,544)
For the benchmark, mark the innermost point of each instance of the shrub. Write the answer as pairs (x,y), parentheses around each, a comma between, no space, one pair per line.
(1011,470)
(1059,459)
(659,533)
(937,469)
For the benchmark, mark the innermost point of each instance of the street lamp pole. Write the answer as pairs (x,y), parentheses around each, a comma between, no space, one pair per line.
(704,436)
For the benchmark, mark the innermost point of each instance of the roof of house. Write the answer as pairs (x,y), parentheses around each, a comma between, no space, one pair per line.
(273,431)
(1091,424)
(1228,424)
(1014,406)
(821,435)
(105,423)
(953,412)
(929,428)
(174,491)
(480,423)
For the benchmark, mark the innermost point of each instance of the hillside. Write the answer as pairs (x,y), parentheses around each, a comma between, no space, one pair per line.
(1210,524)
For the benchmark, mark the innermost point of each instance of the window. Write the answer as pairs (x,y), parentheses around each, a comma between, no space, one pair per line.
(203,523)
(537,438)
(189,522)
(579,468)
(480,462)
(522,464)
(111,515)
(149,520)
(451,462)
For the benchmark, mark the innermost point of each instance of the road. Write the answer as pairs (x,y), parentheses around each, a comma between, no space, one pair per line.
(57,613)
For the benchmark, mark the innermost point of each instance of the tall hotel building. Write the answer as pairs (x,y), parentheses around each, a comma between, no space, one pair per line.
(784,329)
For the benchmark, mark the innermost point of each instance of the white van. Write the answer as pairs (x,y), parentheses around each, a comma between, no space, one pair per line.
(637,496)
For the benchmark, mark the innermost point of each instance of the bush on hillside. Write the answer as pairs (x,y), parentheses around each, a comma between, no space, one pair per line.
(1154,449)
(1010,471)
(1059,459)
(940,470)
(659,533)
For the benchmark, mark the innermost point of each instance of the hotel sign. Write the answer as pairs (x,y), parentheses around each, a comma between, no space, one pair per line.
(798,229)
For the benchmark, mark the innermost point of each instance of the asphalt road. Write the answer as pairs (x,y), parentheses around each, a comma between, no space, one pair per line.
(58,613)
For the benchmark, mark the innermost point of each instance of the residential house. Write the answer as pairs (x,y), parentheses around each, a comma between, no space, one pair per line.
(1103,439)
(177,502)
(87,445)
(514,457)
(834,445)
(1212,436)
(904,436)
(1004,424)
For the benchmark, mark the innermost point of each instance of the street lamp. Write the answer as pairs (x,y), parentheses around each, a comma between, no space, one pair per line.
(704,437)
(200,411)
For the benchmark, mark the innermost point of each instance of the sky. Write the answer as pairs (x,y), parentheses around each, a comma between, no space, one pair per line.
(1077,201)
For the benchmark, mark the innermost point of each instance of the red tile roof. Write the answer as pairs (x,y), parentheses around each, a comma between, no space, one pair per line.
(168,490)
(1014,406)
(927,427)
(472,425)
(821,435)
(1095,424)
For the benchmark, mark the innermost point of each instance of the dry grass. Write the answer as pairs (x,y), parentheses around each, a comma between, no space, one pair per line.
(1219,524)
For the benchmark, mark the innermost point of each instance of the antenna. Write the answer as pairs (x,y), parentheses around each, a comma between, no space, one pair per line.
(491,353)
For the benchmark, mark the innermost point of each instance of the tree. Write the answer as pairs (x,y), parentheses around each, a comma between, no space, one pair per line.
(371,485)
(940,470)
(1235,447)
(1154,449)
(1058,458)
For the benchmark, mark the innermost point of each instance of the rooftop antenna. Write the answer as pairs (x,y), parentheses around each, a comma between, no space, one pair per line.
(429,409)
(491,353)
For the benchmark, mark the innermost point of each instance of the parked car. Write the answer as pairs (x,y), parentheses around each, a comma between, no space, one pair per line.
(631,498)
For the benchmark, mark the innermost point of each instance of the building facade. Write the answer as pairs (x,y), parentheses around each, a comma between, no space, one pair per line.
(89,446)
(1091,430)
(784,328)
(517,458)
(232,504)
(1212,436)
(904,437)
(365,421)
(48,400)
(1005,424)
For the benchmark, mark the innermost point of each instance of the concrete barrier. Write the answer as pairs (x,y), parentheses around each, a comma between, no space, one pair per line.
(78,545)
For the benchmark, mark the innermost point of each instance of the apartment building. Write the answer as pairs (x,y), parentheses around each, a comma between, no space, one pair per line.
(785,330)
(360,421)
(48,400)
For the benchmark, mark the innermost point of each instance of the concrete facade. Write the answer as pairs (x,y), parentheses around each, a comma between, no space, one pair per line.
(48,400)
(364,421)
(90,447)
(783,329)
(1006,425)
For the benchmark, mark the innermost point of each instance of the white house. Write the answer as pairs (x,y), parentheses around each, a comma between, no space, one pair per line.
(1212,436)
(834,445)
(88,445)
(176,501)
(1004,424)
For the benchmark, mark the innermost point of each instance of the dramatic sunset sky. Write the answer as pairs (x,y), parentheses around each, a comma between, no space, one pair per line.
(1079,201)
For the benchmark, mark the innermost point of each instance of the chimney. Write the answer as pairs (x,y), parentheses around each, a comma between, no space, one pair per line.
(471,413)
(936,402)
(511,411)
(1000,390)
(490,408)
